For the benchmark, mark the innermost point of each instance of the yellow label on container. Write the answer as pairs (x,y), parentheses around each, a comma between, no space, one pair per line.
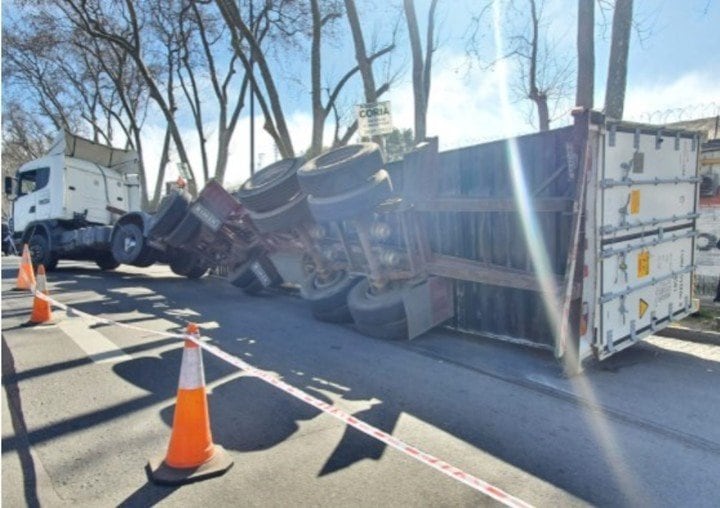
(643,264)
(635,202)
(643,307)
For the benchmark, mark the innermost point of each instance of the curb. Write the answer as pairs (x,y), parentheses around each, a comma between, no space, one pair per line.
(690,334)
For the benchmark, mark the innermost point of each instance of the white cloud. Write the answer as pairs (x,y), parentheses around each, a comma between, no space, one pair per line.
(465,105)
(690,96)
(465,109)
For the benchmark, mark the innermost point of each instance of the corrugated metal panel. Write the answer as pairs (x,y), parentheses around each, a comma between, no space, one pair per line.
(484,171)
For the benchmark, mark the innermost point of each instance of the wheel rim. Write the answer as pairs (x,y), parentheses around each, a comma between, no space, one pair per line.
(36,253)
(129,244)
(372,294)
(334,279)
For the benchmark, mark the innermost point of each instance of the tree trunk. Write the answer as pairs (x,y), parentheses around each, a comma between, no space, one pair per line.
(586,54)
(364,63)
(317,108)
(543,112)
(617,68)
(275,123)
(224,136)
(429,49)
(417,70)
(164,158)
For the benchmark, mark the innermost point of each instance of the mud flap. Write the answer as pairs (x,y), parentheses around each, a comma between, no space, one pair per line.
(428,304)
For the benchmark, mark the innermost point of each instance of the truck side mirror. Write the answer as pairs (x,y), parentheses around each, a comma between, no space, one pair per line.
(8,185)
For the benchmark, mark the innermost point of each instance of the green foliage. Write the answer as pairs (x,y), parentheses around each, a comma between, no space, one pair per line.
(398,143)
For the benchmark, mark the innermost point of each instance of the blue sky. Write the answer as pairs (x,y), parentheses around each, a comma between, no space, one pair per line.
(674,73)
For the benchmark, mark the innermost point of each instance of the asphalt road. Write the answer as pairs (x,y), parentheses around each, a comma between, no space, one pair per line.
(85,406)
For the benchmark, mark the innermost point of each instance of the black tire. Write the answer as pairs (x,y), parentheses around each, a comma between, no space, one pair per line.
(254,288)
(169,214)
(354,203)
(40,253)
(340,170)
(285,217)
(184,231)
(197,271)
(243,276)
(52,265)
(338,315)
(271,187)
(147,257)
(106,261)
(127,243)
(397,330)
(328,300)
(247,281)
(368,308)
(182,263)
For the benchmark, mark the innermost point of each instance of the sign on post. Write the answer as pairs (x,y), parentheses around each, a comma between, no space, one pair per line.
(374,119)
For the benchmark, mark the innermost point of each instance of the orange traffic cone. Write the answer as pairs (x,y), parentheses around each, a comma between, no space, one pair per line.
(26,276)
(41,312)
(191,454)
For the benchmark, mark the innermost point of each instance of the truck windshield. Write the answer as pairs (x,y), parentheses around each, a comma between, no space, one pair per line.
(33,180)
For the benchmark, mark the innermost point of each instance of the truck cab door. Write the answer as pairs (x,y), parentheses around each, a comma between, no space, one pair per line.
(33,197)
(42,194)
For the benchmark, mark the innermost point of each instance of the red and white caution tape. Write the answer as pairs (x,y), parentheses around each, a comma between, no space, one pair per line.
(411,451)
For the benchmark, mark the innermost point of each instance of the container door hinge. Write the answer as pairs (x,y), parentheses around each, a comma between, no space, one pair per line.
(658,139)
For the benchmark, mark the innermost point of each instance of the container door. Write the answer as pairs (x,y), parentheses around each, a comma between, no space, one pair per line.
(645,244)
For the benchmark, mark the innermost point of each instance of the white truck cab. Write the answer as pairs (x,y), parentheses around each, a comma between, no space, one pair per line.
(68,201)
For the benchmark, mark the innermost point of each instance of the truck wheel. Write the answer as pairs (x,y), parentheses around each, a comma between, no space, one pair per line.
(197,271)
(147,257)
(182,263)
(40,253)
(271,187)
(106,261)
(328,299)
(397,330)
(354,203)
(127,243)
(245,278)
(369,308)
(169,213)
(285,217)
(340,170)
(184,232)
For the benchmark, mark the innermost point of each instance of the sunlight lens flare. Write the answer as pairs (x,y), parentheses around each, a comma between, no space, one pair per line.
(547,280)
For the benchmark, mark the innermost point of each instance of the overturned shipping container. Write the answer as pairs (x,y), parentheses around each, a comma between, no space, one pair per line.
(579,239)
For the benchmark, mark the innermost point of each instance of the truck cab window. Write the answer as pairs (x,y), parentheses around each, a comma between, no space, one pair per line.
(33,180)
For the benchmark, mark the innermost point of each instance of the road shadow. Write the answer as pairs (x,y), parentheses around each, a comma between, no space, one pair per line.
(20,430)
(149,494)
(256,416)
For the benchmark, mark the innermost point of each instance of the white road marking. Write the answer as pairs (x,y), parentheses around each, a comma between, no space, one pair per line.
(98,348)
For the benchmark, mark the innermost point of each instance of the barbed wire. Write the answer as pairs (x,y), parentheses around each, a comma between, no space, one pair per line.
(680,114)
